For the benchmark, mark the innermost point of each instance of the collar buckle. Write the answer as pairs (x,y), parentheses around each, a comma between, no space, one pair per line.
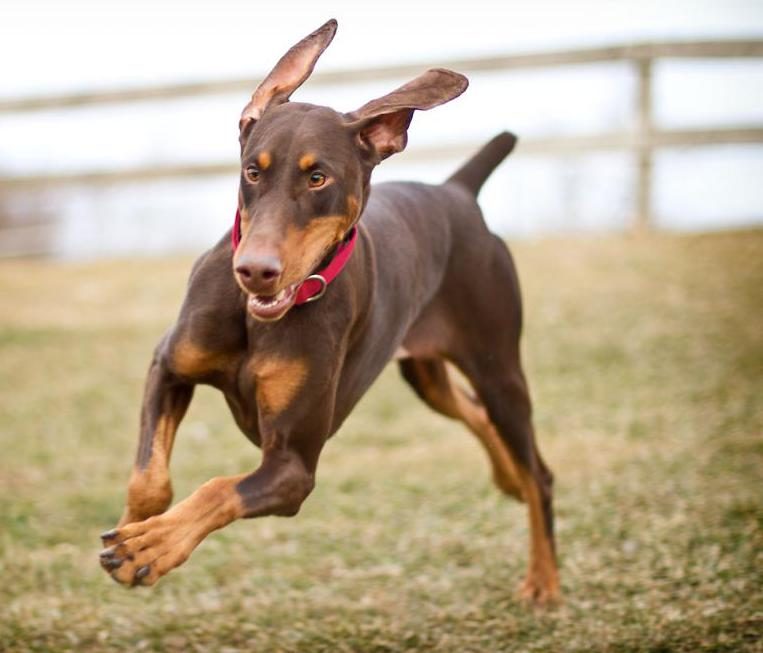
(321,292)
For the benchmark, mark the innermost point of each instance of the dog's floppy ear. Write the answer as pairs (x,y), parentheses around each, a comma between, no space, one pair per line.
(382,124)
(289,73)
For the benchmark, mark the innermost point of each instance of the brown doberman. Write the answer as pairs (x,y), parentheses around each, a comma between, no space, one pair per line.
(424,282)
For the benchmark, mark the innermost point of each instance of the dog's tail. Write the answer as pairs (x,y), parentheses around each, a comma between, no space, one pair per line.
(476,170)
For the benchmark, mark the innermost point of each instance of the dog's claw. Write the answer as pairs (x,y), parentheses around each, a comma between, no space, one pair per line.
(109,561)
(109,535)
(106,553)
(111,565)
(142,572)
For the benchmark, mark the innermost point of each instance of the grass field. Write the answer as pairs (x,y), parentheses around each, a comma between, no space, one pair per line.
(645,356)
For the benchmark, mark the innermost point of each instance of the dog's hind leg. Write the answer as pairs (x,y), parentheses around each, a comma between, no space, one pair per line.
(433,383)
(503,426)
(506,398)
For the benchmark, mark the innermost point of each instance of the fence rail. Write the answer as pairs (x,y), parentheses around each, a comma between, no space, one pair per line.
(737,49)
(643,140)
(539,146)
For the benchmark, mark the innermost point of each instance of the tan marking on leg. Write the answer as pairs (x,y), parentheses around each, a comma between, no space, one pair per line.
(165,541)
(475,416)
(306,161)
(504,469)
(149,490)
(278,382)
(264,160)
(188,359)
(541,586)
(445,394)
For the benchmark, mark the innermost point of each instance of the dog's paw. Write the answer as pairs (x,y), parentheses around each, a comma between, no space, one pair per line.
(540,591)
(142,552)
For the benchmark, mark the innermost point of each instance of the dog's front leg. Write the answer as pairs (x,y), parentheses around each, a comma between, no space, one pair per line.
(295,411)
(166,398)
(140,553)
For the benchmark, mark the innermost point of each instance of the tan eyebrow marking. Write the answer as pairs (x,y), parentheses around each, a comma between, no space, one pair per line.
(307,161)
(264,160)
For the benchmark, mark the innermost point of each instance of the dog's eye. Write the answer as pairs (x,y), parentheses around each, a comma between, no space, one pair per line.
(253,174)
(316,179)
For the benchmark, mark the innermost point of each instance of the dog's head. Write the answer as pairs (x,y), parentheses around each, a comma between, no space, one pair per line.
(305,171)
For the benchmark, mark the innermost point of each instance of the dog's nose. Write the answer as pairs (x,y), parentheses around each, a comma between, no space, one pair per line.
(259,272)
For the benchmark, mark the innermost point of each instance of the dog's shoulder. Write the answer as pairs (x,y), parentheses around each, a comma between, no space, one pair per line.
(213,312)
(211,282)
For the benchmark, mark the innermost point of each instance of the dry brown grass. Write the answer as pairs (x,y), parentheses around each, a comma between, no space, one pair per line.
(646,361)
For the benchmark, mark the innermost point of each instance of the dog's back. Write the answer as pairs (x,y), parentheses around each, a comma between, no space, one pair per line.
(431,243)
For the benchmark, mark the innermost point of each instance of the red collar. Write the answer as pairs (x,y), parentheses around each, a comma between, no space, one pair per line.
(315,285)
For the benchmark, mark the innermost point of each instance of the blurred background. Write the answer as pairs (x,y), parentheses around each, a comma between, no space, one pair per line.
(118,120)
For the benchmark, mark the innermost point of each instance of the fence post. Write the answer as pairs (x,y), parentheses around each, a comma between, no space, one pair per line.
(644,132)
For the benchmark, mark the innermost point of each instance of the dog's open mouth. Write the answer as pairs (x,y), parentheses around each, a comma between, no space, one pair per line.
(272,307)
